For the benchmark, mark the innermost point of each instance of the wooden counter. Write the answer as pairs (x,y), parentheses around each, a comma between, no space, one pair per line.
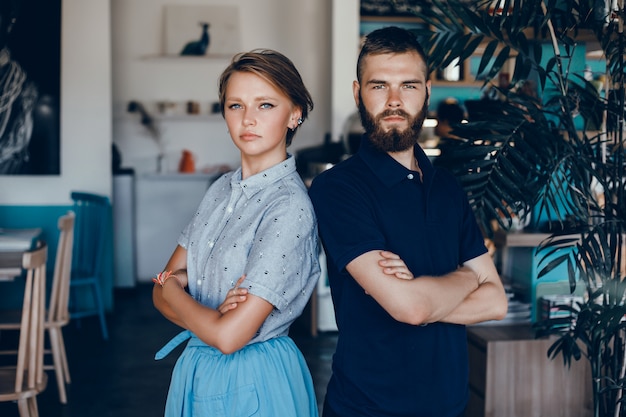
(511,376)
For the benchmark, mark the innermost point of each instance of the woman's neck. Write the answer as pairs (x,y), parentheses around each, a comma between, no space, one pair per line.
(253,165)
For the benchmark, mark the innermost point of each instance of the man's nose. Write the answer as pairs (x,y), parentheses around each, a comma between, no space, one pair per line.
(393,100)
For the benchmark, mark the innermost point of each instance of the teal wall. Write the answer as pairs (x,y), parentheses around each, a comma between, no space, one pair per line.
(46,218)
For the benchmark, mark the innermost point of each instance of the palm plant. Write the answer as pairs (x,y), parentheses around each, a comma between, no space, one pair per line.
(563,155)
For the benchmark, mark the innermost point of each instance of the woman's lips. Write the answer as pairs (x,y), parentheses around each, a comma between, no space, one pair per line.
(248,136)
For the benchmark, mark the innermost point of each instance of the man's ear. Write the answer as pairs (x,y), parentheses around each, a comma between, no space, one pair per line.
(356,89)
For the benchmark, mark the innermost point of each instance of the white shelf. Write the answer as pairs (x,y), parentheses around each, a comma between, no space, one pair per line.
(175,117)
(189,58)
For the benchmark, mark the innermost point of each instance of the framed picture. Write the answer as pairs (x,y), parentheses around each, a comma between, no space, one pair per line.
(30,77)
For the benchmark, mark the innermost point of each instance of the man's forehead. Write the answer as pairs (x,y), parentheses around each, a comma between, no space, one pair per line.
(383,66)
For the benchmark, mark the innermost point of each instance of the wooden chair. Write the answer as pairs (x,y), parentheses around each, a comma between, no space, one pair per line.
(24,381)
(57,314)
(93,213)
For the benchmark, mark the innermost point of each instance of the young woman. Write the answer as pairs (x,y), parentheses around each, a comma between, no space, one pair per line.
(254,227)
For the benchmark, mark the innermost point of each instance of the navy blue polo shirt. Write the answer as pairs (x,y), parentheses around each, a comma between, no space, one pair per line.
(383,367)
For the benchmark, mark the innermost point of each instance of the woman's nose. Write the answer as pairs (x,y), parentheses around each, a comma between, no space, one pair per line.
(249,118)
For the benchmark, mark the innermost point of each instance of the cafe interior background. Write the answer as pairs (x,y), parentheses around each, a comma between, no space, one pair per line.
(122,84)
(116,53)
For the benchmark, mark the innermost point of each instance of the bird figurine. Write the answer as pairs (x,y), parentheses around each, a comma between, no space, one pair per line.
(200,46)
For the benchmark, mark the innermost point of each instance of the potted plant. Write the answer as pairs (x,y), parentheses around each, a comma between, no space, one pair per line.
(561,156)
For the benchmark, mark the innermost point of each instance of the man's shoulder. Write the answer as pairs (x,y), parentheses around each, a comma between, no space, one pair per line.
(345,170)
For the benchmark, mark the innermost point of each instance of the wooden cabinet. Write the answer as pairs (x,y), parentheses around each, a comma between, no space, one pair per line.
(511,376)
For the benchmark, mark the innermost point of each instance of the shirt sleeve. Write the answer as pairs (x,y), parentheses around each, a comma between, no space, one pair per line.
(284,256)
(346,220)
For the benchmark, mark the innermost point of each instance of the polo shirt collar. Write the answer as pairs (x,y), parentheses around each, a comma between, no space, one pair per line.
(388,170)
(252,185)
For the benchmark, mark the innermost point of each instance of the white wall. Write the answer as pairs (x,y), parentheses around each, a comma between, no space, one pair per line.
(301,29)
(345,41)
(85,112)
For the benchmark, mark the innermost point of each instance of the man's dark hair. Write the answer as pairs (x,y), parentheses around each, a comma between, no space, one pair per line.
(389,40)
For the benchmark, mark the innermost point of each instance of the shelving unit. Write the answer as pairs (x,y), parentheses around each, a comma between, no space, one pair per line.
(369,23)
(190,58)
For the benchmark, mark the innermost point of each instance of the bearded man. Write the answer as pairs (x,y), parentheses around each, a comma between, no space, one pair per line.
(407,264)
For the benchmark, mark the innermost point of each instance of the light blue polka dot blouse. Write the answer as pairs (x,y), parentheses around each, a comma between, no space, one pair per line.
(264,227)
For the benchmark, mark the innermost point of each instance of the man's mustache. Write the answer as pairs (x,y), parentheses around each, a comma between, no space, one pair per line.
(397,112)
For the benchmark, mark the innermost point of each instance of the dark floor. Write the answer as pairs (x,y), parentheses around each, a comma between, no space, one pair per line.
(120,378)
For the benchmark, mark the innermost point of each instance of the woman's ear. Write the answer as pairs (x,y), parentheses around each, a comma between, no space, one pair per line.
(296,119)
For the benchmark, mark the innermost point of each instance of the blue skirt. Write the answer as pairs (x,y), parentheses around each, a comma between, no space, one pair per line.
(266,379)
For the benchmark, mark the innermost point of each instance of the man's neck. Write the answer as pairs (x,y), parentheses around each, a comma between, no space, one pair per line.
(408,160)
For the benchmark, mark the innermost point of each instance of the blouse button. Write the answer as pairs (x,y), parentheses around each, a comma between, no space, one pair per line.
(410,176)
(211,243)
(199,282)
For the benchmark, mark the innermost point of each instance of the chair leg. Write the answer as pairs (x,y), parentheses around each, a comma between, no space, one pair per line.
(100,308)
(73,297)
(23,407)
(58,366)
(65,366)
(32,406)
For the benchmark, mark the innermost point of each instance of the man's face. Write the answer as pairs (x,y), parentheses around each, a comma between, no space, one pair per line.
(393,99)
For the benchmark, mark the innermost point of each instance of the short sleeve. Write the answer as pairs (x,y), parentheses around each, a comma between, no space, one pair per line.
(346,219)
(284,255)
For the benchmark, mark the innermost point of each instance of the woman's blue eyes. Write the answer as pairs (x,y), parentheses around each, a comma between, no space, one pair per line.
(262,106)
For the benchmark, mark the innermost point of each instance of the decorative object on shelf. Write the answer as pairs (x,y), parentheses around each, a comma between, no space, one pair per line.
(387,8)
(187,163)
(166,107)
(525,153)
(193,107)
(224,39)
(149,123)
(200,46)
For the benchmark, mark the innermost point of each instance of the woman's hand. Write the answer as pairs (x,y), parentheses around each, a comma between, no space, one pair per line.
(234,296)
(393,265)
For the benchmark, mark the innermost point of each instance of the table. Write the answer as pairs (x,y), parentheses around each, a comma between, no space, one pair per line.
(13,243)
(511,375)
(10,265)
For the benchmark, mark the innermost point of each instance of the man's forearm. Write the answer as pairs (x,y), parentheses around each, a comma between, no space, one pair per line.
(486,303)
(446,293)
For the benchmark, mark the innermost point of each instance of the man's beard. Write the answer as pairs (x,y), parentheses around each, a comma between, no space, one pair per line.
(392,140)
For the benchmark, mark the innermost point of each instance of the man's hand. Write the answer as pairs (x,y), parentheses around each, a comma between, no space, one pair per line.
(393,265)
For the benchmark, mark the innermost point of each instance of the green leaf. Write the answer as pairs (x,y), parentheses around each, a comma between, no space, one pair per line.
(487,55)
(500,60)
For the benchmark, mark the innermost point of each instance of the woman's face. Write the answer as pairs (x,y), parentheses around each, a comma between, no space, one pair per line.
(258,116)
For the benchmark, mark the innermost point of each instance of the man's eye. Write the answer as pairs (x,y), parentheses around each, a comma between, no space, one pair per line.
(379,86)
(410,86)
